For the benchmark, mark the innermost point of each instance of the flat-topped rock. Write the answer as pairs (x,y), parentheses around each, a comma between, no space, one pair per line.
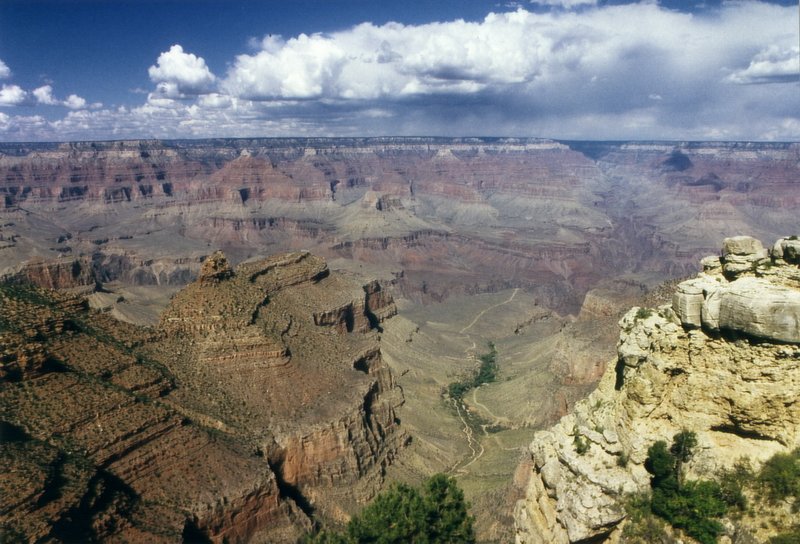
(741,245)
(758,308)
(752,293)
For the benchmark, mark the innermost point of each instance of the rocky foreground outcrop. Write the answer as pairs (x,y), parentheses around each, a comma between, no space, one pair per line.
(257,407)
(723,360)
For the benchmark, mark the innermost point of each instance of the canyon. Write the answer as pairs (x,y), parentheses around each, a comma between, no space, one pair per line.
(537,246)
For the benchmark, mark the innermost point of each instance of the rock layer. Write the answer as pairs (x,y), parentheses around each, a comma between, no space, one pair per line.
(238,419)
(458,216)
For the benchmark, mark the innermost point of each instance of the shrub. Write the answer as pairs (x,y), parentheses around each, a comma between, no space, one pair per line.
(581,444)
(791,536)
(404,515)
(691,506)
(733,482)
(780,475)
(661,464)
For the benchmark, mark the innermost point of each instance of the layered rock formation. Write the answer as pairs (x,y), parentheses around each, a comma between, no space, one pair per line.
(723,361)
(266,349)
(242,418)
(456,215)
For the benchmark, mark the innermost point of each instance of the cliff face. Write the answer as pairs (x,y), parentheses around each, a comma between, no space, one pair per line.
(92,452)
(723,361)
(237,419)
(457,215)
(285,354)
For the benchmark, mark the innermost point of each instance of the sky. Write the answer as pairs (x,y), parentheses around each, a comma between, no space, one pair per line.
(565,69)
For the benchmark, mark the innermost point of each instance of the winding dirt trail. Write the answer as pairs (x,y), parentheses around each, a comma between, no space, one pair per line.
(482,312)
(475,453)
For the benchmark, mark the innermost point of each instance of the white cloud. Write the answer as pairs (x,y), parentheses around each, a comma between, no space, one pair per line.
(177,73)
(517,52)
(770,65)
(215,101)
(5,71)
(44,95)
(568,4)
(12,95)
(75,102)
(599,72)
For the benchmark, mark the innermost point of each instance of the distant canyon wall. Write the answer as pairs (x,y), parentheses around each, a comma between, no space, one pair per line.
(449,216)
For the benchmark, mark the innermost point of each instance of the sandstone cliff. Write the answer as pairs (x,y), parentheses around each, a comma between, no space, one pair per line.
(259,406)
(723,361)
(284,354)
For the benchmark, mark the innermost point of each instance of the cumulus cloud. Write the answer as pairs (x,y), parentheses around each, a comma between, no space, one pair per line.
(519,52)
(568,4)
(5,71)
(44,96)
(599,72)
(771,65)
(177,73)
(12,95)
(75,102)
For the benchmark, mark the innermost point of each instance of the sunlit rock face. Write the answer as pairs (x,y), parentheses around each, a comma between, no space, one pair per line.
(721,360)
(453,216)
(259,405)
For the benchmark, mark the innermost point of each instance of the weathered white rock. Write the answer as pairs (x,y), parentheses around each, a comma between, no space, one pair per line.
(740,398)
(687,302)
(758,308)
(787,249)
(741,245)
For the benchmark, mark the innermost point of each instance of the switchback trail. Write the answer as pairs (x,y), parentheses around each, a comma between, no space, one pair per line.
(468,433)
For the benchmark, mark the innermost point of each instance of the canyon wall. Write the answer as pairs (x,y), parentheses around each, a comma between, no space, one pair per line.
(259,406)
(722,360)
(454,216)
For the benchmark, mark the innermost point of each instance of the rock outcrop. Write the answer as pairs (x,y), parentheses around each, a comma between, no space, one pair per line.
(238,419)
(745,291)
(723,361)
(268,348)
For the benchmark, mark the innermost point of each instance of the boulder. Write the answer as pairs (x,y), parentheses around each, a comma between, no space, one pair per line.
(741,245)
(787,249)
(762,309)
(687,301)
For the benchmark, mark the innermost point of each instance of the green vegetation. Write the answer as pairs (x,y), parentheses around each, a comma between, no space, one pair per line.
(792,536)
(733,482)
(693,505)
(780,477)
(580,442)
(643,313)
(486,373)
(404,515)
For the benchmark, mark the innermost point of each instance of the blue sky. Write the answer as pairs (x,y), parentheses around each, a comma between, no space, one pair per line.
(111,69)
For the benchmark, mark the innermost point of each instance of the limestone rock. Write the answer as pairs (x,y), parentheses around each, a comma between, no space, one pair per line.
(673,372)
(787,249)
(741,245)
(759,300)
(758,308)
(687,302)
